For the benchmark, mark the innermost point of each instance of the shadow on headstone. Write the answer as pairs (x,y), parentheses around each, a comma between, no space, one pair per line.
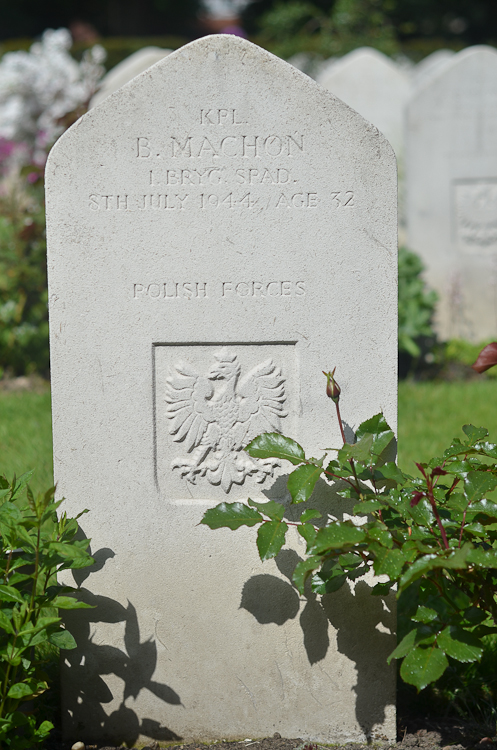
(91,660)
(269,599)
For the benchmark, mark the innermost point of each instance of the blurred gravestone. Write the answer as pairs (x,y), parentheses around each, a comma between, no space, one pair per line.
(220,231)
(451,180)
(431,65)
(126,70)
(373,85)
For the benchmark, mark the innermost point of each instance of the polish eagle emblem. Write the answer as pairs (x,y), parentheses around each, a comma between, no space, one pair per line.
(216,415)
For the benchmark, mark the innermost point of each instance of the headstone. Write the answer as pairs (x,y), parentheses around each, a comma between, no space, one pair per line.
(220,231)
(451,182)
(431,65)
(126,70)
(373,85)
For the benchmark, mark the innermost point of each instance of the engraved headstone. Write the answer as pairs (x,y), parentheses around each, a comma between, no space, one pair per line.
(451,181)
(373,85)
(220,231)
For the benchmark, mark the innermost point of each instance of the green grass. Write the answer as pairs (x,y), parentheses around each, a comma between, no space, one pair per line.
(432,414)
(26,437)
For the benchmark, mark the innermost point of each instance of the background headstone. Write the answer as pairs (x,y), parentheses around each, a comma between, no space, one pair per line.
(430,65)
(451,186)
(126,70)
(221,227)
(373,85)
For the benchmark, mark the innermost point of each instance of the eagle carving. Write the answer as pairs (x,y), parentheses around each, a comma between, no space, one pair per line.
(216,415)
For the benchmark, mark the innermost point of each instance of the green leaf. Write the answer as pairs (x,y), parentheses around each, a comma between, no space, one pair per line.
(62,639)
(5,623)
(383,436)
(336,536)
(271,538)
(231,516)
(485,558)
(416,570)
(424,614)
(460,644)
(308,532)
(44,729)
(382,535)
(367,506)
(477,484)
(381,589)
(272,509)
(474,433)
(302,481)
(274,445)
(389,562)
(360,451)
(10,594)
(485,507)
(329,579)
(20,690)
(303,569)
(69,602)
(423,666)
(309,514)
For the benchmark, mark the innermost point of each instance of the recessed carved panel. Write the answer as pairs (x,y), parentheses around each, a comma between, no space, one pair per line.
(475,215)
(211,400)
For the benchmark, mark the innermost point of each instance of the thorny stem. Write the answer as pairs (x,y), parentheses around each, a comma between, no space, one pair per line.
(339,417)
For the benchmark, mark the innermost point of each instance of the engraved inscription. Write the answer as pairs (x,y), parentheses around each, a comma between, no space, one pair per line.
(231,146)
(220,117)
(188,290)
(476,214)
(215,415)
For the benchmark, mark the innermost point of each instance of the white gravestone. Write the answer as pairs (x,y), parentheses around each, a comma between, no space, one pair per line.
(451,180)
(375,86)
(431,65)
(126,70)
(220,231)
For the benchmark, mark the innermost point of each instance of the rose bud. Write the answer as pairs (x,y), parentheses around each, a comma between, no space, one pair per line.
(333,390)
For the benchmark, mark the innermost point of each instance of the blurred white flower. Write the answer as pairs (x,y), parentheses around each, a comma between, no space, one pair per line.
(38,88)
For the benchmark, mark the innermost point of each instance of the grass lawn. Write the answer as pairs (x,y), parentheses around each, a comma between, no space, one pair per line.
(26,437)
(430,415)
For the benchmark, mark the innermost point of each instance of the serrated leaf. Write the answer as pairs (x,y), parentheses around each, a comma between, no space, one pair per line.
(271,538)
(231,516)
(272,509)
(381,535)
(309,514)
(424,614)
(474,433)
(389,562)
(423,666)
(360,451)
(336,536)
(274,445)
(486,558)
(330,578)
(392,472)
(485,507)
(383,436)
(44,729)
(367,506)
(302,481)
(62,639)
(308,532)
(460,644)
(303,569)
(477,484)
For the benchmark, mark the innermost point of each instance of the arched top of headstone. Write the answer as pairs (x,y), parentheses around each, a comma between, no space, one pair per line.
(480,62)
(126,70)
(431,65)
(368,59)
(218,81)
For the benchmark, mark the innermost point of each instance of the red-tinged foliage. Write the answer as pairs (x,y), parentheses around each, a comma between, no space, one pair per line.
(487,358)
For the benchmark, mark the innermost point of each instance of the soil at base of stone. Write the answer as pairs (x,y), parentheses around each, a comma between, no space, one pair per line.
(426,734)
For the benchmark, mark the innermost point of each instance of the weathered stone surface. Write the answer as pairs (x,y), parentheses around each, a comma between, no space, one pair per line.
(126,70)
(220,217)
(373,85)
(451,184)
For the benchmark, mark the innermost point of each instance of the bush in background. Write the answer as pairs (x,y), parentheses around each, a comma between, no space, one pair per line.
(416,305)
